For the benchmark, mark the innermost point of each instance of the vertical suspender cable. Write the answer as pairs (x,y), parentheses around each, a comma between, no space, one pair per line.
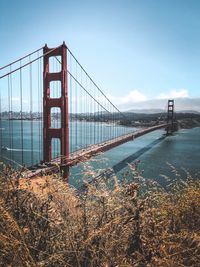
(98,111)
(1,128)
(94,119)
(58,95)
(41,109)
(38,119)
(110,120)
(53,114)
(58,111)
(9,118)
(11,109)
(84,100)
(82,108)
(90,114)
(70,102)
(102,124)
(31,108)
(21,115)
(113,125)
(76,117)
(86,111)
(84,104)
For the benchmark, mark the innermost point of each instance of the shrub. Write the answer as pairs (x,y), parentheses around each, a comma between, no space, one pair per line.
(44,222)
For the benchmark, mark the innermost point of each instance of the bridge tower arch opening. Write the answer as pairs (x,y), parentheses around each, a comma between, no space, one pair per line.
(50,102)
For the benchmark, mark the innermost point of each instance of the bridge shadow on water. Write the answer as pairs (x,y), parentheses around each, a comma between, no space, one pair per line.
(122,164)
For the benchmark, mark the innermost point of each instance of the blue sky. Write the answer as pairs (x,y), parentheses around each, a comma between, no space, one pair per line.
(134,49)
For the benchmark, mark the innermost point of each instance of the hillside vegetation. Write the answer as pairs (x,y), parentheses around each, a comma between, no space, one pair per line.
(44,222)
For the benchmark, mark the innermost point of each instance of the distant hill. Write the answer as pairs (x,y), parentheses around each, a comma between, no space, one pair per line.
(155,111)
(189,111)
(184,105)
(146,111)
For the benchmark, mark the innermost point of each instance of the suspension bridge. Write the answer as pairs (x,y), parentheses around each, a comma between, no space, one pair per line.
(52,113)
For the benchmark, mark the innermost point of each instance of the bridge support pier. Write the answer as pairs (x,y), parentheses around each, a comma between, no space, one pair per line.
(49,132)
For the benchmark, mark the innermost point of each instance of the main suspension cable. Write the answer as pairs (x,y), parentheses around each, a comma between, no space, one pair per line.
(95,83)
(20,59)
(30,62)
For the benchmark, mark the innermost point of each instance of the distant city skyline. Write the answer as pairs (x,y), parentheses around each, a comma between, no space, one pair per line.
(134,50)
(181,104)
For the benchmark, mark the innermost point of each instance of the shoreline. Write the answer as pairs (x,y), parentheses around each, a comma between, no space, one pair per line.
(189,123)
(185,123)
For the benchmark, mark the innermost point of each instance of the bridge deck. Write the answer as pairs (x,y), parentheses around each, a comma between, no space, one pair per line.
(87,153)
(83,155)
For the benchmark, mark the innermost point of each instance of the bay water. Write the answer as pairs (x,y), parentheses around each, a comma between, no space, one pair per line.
(159,155)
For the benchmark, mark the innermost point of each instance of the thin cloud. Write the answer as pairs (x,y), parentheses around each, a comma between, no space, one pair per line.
(127,100)
(138,100)
(175,93)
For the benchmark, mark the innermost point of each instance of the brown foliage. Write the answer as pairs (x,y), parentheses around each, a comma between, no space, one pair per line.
(46,223)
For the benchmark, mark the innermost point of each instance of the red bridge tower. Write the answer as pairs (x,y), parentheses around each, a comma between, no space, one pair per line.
(61,133)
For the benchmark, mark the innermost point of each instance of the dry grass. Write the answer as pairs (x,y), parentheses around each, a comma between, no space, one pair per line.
(45,223)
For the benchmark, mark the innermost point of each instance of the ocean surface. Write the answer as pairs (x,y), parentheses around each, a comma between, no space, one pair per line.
(159,155)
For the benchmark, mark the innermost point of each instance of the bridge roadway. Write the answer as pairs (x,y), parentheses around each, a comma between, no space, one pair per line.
(83,155)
